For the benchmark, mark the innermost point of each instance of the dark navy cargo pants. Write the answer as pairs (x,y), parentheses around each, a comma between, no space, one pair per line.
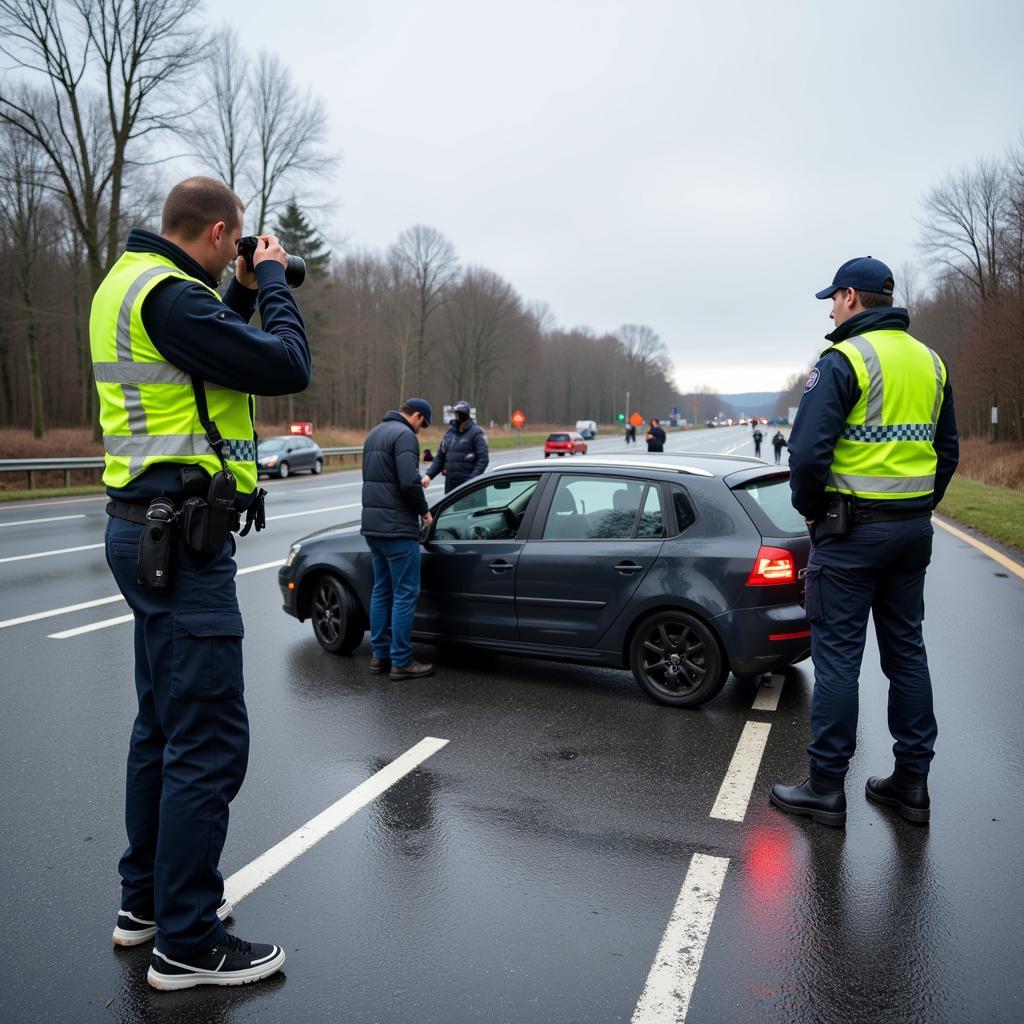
(190,743)
(877,568)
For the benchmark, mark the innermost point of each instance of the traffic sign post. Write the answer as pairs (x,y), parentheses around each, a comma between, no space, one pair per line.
(518,420)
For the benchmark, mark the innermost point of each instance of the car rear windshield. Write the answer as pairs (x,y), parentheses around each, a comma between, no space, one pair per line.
(558,437)
(773,499)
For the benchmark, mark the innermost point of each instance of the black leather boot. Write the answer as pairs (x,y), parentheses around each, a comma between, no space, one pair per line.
(808,802)
(906,791)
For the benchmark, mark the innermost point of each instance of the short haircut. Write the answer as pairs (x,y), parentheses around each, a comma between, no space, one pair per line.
(196,203)
(874,300)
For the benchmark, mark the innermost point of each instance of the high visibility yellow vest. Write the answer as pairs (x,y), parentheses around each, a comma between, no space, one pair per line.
(886,449)
(148,411)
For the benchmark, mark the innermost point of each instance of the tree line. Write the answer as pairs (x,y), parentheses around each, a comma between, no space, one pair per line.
(966,297)
(96,90)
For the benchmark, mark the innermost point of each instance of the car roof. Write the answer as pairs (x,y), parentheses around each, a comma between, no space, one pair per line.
(709,464)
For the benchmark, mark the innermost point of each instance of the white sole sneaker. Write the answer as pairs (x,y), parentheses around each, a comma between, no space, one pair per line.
(187,976)
(146,930)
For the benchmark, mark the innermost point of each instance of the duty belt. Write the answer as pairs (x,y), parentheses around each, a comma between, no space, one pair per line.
(126,510)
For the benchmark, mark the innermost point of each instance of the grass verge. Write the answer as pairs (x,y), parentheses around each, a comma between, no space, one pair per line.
(993,510)
(51,492)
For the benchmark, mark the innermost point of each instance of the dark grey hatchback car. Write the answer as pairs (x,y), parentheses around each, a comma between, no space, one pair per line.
(679,567)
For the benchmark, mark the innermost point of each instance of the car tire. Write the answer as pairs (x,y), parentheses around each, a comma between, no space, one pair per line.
(282,471)
(676,660)
(547,455)
(318,467)
(337,622)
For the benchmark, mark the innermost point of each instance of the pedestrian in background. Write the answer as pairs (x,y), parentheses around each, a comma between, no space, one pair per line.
(463,453)
(758,438)
(655,437)
(156,320)
(871,453)
(394,512)
(778,443)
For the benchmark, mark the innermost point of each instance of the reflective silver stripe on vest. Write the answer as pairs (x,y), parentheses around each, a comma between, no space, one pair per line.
(938,388)
(132,395)
(881,484)
(139,373)
(136,447)
(873,417)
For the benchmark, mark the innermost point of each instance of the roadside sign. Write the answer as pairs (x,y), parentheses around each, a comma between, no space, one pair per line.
(636,419)
(518,419)
(306,429)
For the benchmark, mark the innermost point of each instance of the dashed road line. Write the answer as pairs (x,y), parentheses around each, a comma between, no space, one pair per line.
(47,554)
(43,519)
(268,864)
(67,634)
(768,694)
(733,797)
(670,983)
(53,612)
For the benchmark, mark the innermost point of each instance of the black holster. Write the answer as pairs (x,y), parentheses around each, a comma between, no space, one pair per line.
(838,517)
(156,545)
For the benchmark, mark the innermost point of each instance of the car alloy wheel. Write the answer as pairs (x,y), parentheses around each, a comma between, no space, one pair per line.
(676,660)
(318,467)
(283,470)
(337,623)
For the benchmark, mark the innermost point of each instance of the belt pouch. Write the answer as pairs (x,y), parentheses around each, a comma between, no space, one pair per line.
(208,521)
(156,546)
(838,516)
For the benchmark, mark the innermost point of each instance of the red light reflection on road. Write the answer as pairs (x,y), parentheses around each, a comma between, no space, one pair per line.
(770,869)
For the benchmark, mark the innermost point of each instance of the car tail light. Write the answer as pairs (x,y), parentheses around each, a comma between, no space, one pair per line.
(772,567)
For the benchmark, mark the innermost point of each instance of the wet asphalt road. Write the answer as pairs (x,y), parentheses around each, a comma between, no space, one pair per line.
(525,872)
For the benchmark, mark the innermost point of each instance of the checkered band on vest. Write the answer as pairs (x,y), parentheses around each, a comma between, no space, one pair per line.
(896,432)
(239,451)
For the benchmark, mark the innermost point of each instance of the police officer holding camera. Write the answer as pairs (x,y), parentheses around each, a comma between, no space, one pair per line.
(871,453)
(176,366)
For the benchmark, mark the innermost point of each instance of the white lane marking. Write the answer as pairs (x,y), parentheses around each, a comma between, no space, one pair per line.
(768,694)
(67,634)
(66,610)
(91,628)
(1007,563)
(738,783)
(19,505)
(45,519)
(313,511)
(332,487)
(268,864)
(666,996)
(46,554)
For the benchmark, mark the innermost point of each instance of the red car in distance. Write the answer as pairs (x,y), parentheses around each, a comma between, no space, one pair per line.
(567,443)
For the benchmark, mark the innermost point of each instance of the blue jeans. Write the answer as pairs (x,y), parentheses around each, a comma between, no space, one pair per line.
(878,568)
(396,586)
(190,743)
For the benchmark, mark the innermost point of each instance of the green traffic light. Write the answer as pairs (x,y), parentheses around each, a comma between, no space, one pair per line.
(621,417)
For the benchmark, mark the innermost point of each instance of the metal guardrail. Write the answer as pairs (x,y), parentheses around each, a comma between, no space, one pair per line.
(66,466)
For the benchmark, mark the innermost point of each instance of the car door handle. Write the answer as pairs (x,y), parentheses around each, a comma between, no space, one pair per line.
(628,568)
(500,566)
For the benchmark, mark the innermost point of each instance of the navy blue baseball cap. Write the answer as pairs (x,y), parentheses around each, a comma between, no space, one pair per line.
(422,406)
(462,406)
(863,273)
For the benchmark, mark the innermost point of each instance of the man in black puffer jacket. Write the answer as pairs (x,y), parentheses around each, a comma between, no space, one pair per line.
(463,453)
(394,507)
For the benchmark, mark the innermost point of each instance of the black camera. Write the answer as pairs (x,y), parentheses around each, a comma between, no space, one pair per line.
(294,273)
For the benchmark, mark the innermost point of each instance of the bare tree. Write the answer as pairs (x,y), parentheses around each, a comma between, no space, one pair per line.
(31,227)
(105,72)
(221,132)
(483,314)
(428,260)
(646,358)
(963,222)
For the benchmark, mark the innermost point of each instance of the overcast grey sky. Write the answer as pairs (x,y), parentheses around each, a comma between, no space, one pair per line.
(699,168)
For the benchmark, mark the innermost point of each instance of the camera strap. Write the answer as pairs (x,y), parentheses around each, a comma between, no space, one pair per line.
(213,435)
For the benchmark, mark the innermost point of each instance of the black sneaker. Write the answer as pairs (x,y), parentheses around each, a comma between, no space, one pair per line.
(134,929)
(230,962)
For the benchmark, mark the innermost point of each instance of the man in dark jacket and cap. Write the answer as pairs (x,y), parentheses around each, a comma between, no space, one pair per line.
(394,512)
(463,453)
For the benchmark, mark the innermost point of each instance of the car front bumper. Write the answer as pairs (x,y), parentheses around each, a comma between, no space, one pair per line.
(288,582)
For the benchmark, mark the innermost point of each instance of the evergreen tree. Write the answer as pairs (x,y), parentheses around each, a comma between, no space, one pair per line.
(300,238)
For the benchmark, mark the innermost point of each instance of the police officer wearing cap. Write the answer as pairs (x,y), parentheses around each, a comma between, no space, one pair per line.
(463,453)
(176,364)
(871,452)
